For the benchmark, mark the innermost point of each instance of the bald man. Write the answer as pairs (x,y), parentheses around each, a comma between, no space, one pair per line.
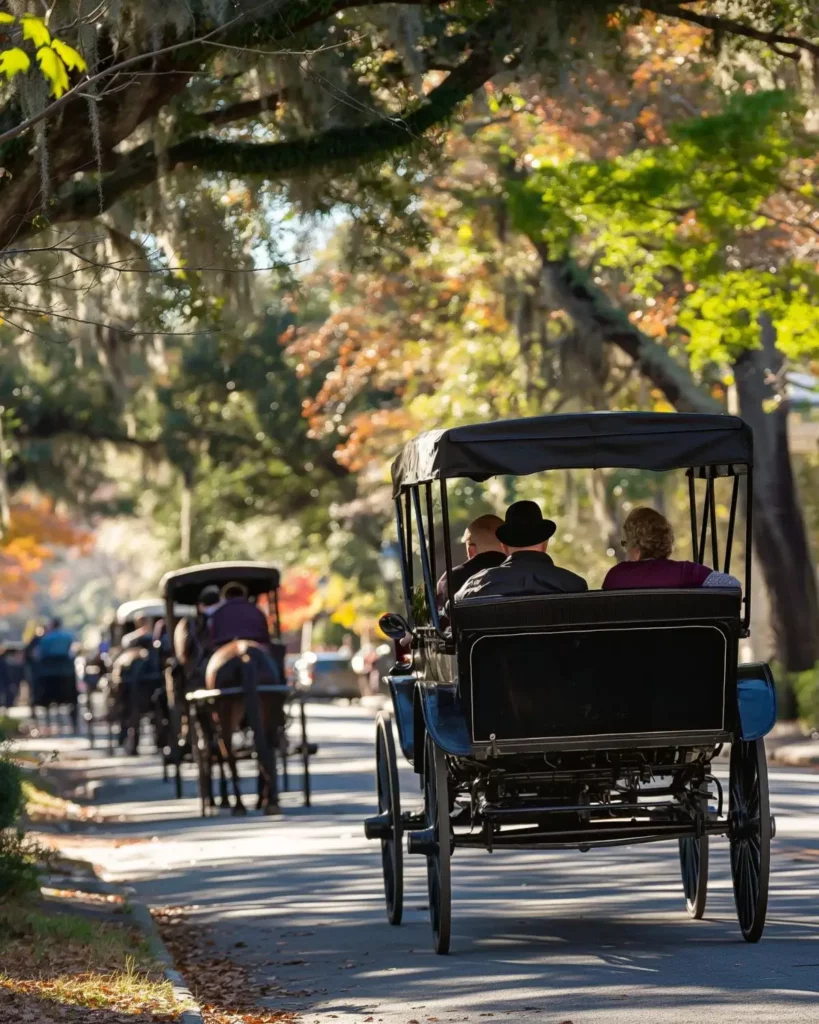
(483,551)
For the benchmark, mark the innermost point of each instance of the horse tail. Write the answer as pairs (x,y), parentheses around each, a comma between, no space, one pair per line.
(253,708)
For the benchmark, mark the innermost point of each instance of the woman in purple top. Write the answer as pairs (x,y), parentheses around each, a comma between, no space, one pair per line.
(648,540)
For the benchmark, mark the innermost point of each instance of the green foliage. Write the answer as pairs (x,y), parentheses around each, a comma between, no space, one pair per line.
(19,863)
(11,792)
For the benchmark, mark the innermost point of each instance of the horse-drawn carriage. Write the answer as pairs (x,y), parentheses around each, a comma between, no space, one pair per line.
(134,675)
(231,702)
(577,720)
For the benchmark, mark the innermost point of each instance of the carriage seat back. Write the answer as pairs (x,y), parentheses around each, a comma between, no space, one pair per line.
(601,665)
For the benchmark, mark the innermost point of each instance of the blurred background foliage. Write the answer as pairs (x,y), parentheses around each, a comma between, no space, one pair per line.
(219,331)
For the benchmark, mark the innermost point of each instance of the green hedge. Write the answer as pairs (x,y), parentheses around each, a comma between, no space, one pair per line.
(11,793)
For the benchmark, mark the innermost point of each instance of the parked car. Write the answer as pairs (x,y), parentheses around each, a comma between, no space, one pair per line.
(327,674)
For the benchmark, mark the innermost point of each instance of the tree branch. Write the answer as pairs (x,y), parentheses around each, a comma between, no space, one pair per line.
(242,109)
(730,26)
(589,307)
(275,159)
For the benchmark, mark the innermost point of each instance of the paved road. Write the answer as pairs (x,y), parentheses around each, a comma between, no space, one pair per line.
(599,937)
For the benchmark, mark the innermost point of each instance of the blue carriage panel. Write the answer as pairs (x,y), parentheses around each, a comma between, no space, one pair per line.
(756,700)
(402,689)
(444,719)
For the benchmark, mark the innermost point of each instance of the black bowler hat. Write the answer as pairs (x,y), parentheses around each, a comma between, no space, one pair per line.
(524,526)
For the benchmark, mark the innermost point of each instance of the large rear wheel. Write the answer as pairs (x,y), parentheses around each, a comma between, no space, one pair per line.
(389,804)
(436,807)
(749,817)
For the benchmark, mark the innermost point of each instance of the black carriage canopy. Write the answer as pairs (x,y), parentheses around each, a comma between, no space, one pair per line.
(596,440)
(185,585)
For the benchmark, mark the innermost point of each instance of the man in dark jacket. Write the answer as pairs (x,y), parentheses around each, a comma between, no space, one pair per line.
(483,551)
(237,619)
(527,569)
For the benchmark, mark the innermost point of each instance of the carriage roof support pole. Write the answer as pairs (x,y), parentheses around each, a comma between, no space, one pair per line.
(732,518)
(704,530)
(429,586)
(749,502)
(402,545)
(431,530)
(408,537)
(447,548)
(712,500)
(692,503)
(276,612)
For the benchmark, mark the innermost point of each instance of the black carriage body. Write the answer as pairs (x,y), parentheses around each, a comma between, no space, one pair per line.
(600,670)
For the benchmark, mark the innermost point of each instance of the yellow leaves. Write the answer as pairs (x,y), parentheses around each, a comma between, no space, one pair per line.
(55,57)
(53,70)
(73,61)
(14,62)
(35,29)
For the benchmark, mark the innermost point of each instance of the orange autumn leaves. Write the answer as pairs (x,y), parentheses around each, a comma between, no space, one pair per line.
(36,529)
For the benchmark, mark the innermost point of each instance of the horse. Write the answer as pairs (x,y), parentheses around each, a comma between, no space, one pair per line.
(135,678)
(240,664)
(246,665)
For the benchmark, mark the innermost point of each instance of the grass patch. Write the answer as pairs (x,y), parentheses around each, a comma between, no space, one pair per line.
(60,964)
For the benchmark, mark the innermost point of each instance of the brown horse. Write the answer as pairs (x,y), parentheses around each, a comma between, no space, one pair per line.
(246,665)
(240,664)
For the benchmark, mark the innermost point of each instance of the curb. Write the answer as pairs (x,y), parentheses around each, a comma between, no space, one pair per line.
(192,1014)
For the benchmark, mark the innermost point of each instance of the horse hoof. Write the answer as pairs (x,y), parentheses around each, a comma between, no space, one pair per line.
(272,809)
(224,805)
(239,810)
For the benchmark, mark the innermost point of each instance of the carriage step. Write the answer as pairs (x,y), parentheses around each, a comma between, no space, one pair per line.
(379,827)
(423,841)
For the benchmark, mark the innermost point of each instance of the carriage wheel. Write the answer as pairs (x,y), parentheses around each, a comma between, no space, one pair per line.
(749,817)
(694,871)
(281,739)
(389,802)
(305,754)
(436,800)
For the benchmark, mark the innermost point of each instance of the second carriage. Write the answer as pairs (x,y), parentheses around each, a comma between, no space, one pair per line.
(232,703)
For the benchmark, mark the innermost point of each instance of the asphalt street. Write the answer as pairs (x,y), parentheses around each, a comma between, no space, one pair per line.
(561,936)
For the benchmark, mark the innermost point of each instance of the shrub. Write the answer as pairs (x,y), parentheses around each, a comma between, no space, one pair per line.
(11,792)
(19,863)
(806,690)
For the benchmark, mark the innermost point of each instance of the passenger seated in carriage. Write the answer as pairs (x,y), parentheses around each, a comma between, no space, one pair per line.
(141,636)
(483,551)
(237,619)
(527,569)
(648,540)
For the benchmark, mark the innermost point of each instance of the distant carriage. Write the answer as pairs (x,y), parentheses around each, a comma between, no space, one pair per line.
(135,676)
(234,702)
(577,720)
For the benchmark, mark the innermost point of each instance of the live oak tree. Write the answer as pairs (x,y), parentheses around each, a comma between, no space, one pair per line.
(668,255)
(129,201)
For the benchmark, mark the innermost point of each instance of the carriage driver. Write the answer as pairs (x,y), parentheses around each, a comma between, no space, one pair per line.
(236,618)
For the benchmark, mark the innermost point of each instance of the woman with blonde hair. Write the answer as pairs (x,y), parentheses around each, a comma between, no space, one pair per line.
(648,540)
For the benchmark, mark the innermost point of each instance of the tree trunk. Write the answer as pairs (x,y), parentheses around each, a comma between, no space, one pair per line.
(780,538)
(186,516)
(779,531)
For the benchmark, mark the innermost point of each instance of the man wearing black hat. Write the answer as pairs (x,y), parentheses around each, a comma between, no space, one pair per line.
(528,569)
